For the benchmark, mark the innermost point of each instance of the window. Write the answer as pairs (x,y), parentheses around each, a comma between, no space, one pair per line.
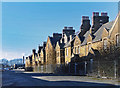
(101,24)
(89,46)
(67,52)
(100,20)
(117,40)
(105,44)
(78,49)
(75,50)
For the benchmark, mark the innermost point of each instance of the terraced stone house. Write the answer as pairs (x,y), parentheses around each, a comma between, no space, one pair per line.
(90,39)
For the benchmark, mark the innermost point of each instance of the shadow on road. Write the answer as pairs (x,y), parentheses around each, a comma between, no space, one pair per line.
(25,80)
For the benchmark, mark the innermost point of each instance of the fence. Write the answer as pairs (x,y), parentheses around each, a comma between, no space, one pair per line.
(90,68)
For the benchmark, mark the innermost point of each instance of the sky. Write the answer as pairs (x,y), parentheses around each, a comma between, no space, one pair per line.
(25,25)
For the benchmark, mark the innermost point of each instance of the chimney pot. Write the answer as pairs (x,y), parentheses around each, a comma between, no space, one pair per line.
(95,13)
(65,27)
(103,14)
(70,27)
(34,51)
(85,17)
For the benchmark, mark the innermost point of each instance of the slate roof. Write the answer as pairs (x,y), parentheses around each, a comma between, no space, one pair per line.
(62,45)
(96,36)
(30,57)
(39,50)
(69,32)
(54,40)
(77,34)
(95,52)
(69,43)
(98,33)
(85,37)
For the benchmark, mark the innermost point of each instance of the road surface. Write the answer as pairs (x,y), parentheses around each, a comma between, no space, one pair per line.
(18,78)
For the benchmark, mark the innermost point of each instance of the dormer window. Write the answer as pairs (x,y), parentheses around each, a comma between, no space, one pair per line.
(105,44)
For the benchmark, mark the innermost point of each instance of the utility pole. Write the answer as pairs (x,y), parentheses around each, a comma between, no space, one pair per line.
(115,69)
(23,59)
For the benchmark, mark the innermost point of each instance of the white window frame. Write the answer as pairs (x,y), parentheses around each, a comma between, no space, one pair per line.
(66,51)
(105,44)
(117,40)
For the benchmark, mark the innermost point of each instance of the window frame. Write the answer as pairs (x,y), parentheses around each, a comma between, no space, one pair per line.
(117,40)
(105,44)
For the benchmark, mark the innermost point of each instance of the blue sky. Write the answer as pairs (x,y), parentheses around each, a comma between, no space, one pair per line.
(25,24)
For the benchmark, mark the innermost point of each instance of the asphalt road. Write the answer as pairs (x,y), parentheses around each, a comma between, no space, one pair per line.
(20,79)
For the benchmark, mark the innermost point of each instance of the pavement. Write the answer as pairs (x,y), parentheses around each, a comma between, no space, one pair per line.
(20,78)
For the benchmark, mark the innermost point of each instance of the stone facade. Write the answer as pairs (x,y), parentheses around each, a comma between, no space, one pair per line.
(50,52)
(60,48)
(60,57)
(106,35)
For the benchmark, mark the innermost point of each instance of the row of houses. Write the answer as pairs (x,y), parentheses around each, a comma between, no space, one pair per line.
(90,39)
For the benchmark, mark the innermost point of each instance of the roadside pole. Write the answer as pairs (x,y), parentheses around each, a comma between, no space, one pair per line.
(115,70)
(75,68)
(85,67)
(69,67)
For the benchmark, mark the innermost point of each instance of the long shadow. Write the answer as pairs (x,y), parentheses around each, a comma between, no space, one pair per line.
(46,74)
(40,83)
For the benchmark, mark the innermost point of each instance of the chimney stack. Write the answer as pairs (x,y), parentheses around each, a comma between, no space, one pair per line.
(56,35)
(85,17)
(85,26)
(98,21)
(103,14)
(65,27)
(44,44)
(70,28)
(95,13)
(40,47)
(34,51)
(23,59)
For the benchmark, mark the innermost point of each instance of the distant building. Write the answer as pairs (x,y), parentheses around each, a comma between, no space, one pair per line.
(4,61)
